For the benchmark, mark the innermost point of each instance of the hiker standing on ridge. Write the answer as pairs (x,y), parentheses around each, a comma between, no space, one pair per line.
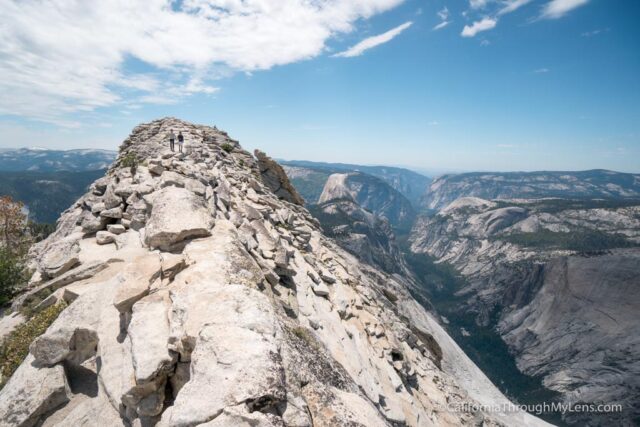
(180,141)
(172,140)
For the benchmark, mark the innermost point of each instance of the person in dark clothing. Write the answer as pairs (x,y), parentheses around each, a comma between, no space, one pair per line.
(172,140)
(180,141)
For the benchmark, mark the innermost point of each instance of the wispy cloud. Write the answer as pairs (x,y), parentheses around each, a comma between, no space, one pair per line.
(483,25)
(64,57)
(477,4)
(444,19)
(512,6)
(558,8)
(491,14)
(541,71)
(595,32)
(440,25)
(373,41)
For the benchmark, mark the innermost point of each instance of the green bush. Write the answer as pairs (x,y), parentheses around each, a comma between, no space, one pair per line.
(227,147)
(130,160)
(40,230)
(15,346)
(12,274)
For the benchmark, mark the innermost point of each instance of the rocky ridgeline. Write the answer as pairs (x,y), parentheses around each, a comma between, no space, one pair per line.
(201,293)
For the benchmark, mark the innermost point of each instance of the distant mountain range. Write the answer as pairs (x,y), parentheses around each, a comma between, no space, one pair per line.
(44,160)
(309,178)
(46,194)
(596,183)
(48,181)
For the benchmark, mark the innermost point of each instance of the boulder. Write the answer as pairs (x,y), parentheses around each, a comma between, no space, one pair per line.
(321,290)
(115,213)
(135,280)
(104,237)
(116,228)
(97,208)
(170,178)
(92,223)
(31,393)
(61,256)
(75,344)
(110,198)
(177,214)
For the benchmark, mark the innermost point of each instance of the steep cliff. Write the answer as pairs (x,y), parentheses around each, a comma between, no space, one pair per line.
(366,235)
(199,297)
(313,175)
(559,280)
(372,194)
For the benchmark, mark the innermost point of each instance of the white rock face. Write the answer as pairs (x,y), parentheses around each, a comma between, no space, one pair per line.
(371,193)
(32,392)
(226,306)
(177,214)
(566,312)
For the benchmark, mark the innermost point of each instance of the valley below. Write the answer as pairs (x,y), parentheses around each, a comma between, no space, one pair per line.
(541,293)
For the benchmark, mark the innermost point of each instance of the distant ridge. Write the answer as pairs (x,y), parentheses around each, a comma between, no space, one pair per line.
(38,159)
(596,183)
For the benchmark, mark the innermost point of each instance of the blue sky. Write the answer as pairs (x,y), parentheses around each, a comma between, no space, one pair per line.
(499,85)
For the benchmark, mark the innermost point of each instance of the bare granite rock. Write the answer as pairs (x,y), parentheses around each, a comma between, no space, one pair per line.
(31,393)
(223,304)
(177,214)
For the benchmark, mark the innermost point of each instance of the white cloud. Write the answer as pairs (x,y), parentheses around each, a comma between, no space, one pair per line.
(373,41)
(483,25)
(541,71)
(512,5)
(444,18)
(440,25)
(558,8)
(443,14)
(477,4)
(498,8)
(68,56)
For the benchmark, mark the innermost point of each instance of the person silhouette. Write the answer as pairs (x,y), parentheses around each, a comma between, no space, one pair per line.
(172,140)
(180,141)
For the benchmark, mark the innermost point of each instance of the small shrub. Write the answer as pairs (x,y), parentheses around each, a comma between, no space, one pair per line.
(306,336)
(15,346)
(227,147)
(241,162)
(130,160)
(12,274)
(40,230)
